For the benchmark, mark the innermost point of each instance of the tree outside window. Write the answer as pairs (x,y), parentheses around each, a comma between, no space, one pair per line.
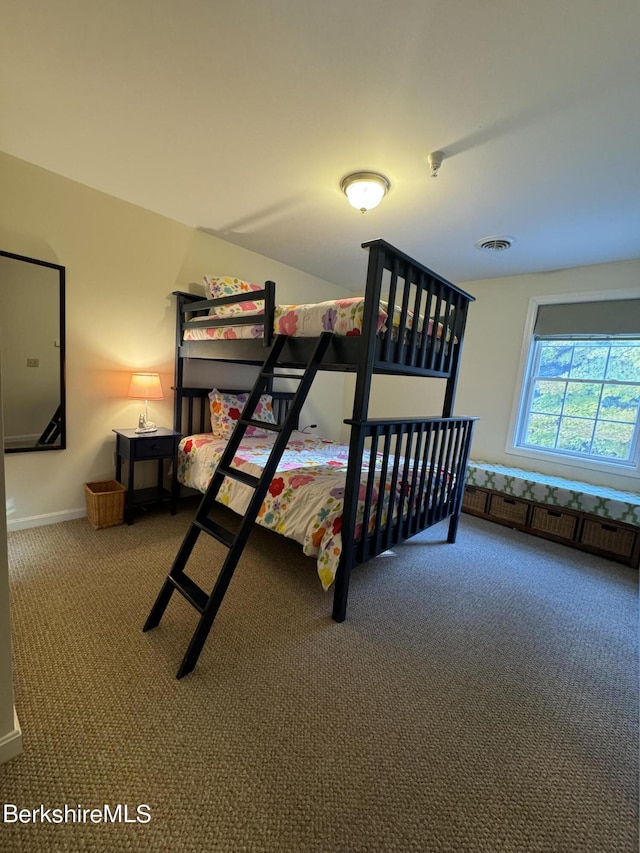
(581,399)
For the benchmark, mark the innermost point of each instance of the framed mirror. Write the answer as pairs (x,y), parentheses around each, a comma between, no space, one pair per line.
(32,347)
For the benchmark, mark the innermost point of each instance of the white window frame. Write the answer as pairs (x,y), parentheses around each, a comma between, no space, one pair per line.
(551,456)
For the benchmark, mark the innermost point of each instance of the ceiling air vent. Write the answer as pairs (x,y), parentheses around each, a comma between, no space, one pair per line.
(494,244)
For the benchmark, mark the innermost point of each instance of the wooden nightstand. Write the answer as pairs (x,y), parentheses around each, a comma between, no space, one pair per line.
(141,447)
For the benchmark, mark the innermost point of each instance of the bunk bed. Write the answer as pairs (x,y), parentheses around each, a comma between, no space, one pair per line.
(395,477)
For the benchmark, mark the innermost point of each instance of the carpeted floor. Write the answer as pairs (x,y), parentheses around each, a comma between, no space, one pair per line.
(481,696)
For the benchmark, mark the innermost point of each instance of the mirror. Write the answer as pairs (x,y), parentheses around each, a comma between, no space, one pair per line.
(32,349)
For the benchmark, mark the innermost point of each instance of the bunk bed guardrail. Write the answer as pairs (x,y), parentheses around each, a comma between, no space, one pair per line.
(194,306)
(423,463)
(427,315)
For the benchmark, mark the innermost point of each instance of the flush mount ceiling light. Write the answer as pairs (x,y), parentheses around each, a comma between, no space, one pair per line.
(494,244)
(365,190)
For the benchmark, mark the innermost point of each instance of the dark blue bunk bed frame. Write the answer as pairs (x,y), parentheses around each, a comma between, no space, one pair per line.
(424,459)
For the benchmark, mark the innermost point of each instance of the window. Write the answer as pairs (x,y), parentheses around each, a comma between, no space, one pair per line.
(580,399)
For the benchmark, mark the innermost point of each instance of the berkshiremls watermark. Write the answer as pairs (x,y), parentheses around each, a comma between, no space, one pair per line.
(118,813)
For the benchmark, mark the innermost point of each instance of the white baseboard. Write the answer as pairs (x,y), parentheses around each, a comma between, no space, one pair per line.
(47,518)
(11,743)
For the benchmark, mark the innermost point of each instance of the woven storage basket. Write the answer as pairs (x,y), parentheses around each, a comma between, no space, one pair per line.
(509,509)
(608,537)
(554,521)
(105,503)
(474,499)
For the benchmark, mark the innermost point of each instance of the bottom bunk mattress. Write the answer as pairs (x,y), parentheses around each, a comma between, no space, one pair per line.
(305,499)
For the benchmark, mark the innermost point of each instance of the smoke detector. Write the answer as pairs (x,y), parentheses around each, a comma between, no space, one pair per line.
(435,161)
(494,244)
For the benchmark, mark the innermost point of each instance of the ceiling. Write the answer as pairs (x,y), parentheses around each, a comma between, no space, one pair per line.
(240,117)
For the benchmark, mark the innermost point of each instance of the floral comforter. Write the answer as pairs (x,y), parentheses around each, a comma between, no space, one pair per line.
(305,498)
(340,316)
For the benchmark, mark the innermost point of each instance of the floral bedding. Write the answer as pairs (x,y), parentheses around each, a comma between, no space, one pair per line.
(305,498)
(223,333)
(340,316)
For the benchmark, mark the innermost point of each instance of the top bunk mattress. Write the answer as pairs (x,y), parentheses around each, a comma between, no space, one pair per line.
(340,316)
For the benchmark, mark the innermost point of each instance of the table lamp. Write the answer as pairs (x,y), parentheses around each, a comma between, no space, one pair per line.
(145,386)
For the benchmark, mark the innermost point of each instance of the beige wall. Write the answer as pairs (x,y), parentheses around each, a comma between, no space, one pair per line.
(122,264)
(395,396)
(492,354)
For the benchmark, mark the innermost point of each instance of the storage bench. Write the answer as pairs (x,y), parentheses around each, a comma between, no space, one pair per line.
(592,518)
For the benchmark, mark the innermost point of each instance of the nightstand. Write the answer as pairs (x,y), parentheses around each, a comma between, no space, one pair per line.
(142,447)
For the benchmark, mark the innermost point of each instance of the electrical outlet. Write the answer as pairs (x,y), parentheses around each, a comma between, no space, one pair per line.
(33,362)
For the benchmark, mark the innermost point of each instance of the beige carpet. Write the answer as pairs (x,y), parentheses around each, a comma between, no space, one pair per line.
(481,696)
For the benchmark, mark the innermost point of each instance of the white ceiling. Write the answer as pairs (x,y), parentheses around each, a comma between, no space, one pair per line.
(241,116)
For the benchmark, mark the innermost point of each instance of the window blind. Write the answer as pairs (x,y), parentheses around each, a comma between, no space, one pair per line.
(609,317)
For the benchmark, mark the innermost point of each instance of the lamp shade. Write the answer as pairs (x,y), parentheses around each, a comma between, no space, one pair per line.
(145,386)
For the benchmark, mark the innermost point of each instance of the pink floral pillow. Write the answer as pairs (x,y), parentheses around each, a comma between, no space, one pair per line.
(217,286)
(227,408)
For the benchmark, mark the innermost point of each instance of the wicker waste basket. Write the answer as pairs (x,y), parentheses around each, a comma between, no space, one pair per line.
(105,503)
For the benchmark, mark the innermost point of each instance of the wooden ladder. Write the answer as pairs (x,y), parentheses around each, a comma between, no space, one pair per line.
(207,605)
